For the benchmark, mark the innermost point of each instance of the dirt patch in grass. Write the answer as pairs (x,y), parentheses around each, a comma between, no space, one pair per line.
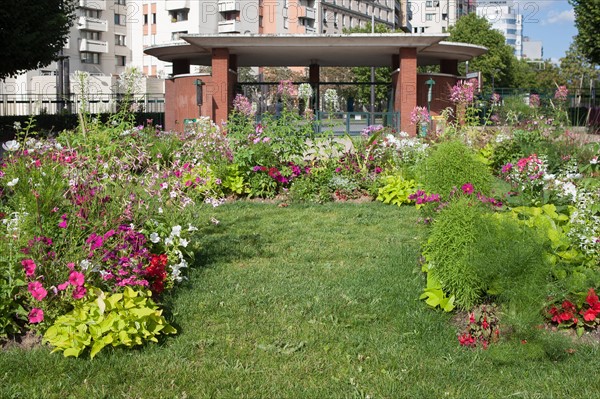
(27,341)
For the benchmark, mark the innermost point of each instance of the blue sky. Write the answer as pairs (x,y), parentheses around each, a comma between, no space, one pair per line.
(551,21)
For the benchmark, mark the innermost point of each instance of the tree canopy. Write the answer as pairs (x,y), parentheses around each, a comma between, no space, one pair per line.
(587,20)
(499,62)
(32,32)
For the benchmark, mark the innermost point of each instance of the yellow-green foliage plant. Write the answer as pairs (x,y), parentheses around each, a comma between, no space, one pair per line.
(127,319)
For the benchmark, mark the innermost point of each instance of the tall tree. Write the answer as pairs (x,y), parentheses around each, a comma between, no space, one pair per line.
(578,73)
(499,62)
(587,20)
(32,32)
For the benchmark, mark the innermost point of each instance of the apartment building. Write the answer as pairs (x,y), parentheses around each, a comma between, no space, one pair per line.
(436,16)
(504,16)
(99,44)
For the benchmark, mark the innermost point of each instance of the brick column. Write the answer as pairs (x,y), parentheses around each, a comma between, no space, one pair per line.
(221,89)
(405,99)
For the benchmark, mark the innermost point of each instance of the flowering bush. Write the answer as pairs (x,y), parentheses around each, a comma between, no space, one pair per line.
(463,91)
(483,328)
(242,105)
(585,315)
(419,115)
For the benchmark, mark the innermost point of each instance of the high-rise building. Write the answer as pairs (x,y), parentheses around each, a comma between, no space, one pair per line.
(505,17)
(533,50)
(436,16)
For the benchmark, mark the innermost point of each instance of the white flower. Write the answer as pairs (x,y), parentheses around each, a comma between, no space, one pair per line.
(164,186)
(173,194)
(214,221)
(176,231)
(192,228)
(85,264)
(58,146)
(11,145)
(13,182)
(168,241)
(160,210)
(154,237)
(183,242)
(594,160)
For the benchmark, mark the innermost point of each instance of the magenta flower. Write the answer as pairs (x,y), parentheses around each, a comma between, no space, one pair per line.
(95,241)
(467,188)
(29,266)
(36,316)
(79,292)
(63,286)
(76,278)
(506,168)
(63,223)
(37,290)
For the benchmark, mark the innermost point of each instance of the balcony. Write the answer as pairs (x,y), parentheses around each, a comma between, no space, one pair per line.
(307,12)
(229,26)
(93,4)
(310,30)
(93,46)
(229,5)
(94,24)
(171,5)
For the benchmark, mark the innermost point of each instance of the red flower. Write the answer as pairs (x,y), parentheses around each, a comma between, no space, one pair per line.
(590,315)
(592,298)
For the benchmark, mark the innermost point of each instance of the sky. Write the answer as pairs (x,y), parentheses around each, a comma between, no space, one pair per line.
(551,21)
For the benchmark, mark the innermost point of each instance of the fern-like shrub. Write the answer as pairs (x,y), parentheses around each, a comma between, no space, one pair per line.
(452,164)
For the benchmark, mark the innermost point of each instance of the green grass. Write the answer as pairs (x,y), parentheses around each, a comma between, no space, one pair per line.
(305,302)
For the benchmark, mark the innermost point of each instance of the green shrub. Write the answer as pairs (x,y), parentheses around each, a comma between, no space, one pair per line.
(449,249)
(452,164)
(312,187)
(126,319)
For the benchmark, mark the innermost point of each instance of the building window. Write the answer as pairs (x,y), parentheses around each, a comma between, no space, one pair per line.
(120,60)
(179,15)
(91,13)
(120,19)
(119,40)
(90,35)
(89,58)
(154,18)
(429,3)
(145,19)
(429,17)
(121,2)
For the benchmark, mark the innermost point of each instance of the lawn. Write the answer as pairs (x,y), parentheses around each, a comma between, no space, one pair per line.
(305,301)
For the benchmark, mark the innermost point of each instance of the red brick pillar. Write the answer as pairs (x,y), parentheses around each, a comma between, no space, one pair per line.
(405,99)
(220,90)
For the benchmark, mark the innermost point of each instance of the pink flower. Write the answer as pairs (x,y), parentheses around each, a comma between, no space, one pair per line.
(79,292)
(63,286)
(63,223)
(37,291)
(29,266)
(36,315)
(506,168)
(76,278)
(467,188)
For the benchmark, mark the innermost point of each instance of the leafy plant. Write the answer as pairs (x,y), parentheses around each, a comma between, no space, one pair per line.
(127,319)
(396,190)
